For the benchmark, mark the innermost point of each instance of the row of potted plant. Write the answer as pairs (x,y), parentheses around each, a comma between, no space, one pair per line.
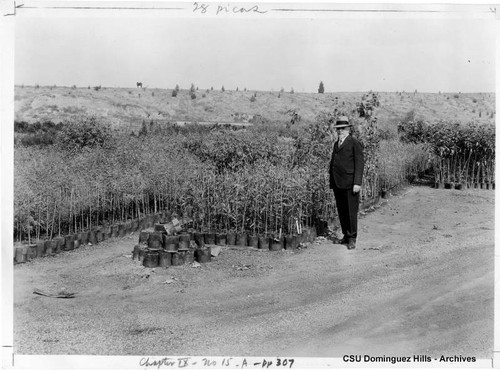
(157,249)
(27,251)
(464,185)
(274,242)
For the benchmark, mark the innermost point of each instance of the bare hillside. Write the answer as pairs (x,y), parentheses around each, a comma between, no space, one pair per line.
(128,107)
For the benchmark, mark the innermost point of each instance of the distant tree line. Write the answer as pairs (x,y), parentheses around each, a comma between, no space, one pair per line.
(86,132)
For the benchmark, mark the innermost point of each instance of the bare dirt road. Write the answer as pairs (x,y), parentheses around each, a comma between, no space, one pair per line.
(419,282)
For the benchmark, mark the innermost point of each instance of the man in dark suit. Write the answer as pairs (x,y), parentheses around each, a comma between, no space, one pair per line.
(346,174)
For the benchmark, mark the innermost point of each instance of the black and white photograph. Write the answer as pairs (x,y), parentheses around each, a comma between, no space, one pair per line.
(231,185)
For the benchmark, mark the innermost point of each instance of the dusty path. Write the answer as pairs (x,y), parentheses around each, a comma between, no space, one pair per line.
(419,282)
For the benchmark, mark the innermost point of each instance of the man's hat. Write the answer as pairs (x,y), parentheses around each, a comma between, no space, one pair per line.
(342,122)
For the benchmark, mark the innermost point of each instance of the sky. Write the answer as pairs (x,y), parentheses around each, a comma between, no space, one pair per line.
(379,53)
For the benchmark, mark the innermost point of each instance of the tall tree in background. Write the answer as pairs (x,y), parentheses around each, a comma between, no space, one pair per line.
(321,88)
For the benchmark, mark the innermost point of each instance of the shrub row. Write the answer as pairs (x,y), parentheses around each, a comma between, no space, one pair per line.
(59,192)
(461,153)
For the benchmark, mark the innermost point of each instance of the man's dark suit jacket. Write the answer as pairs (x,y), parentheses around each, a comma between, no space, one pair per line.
(346,164)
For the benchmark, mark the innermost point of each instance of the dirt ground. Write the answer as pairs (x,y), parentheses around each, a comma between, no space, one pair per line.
(419,282)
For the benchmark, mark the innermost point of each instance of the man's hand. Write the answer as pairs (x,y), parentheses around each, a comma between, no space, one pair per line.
(356,188)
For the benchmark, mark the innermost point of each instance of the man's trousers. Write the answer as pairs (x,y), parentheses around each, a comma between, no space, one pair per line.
(347,207)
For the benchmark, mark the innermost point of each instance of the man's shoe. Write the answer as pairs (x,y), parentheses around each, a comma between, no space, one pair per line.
(352,244)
